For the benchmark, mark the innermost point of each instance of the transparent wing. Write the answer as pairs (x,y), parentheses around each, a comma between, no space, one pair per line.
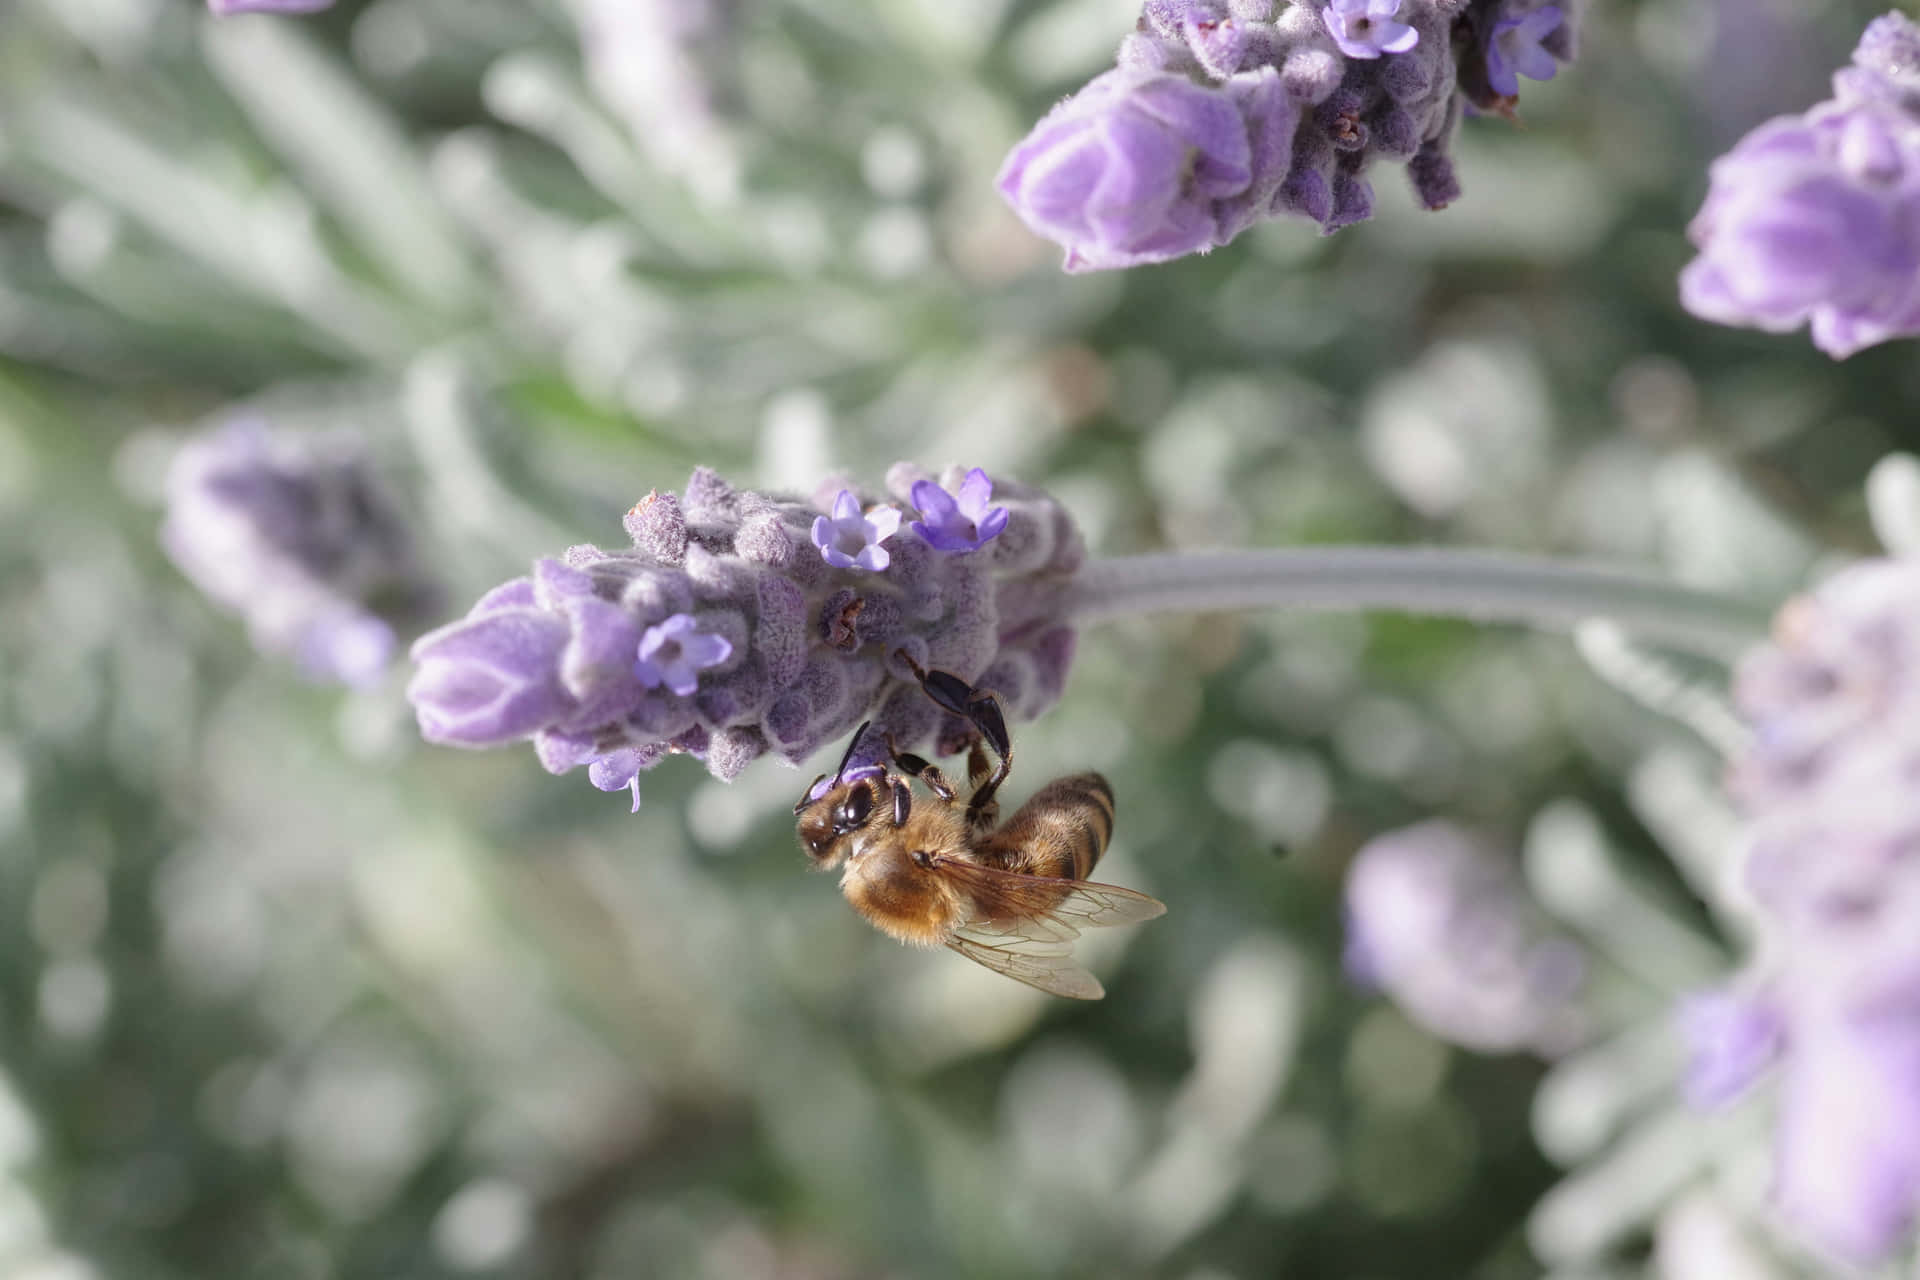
(1044,906)
(1046,964)
(1024,926)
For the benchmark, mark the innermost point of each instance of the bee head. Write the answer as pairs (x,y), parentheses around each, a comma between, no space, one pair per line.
(833,811)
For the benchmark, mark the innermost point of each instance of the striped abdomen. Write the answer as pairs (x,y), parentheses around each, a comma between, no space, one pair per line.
(1061,832)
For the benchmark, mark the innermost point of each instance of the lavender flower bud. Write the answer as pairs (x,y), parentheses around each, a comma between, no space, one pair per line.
(1810,218)
(294,533)
(716,648)
(1220,116)
(1443,926)
(1128,170)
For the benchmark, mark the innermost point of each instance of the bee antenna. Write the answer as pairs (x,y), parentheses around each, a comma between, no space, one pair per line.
(852,747)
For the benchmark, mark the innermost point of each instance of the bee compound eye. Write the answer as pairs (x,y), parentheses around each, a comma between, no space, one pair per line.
(854,809)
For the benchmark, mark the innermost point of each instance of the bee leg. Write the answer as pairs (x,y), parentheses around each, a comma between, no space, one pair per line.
(984,816)
(982,809)
(916,767)
(980,708)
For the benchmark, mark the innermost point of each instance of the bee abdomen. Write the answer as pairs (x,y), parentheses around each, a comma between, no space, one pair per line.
(1063,830)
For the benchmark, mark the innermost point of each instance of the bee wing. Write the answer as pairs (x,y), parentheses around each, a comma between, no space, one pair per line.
(1045,906)
(1046,964)
(1024,926)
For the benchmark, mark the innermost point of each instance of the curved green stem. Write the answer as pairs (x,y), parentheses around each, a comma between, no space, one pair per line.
(1486,586)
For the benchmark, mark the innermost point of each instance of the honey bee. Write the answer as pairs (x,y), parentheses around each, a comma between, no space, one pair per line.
(1012,897)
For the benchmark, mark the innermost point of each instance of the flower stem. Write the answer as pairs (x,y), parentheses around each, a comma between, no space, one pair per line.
(1486,586)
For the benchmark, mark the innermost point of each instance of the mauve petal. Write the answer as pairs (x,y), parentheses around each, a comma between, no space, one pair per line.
(989,528)
(882,523)
(975,490)
(1397,37)
(1534,63)
(873,558)
(933,501)
(681,678)
(845,507)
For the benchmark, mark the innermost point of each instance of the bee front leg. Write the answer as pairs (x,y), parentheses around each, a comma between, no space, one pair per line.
(917,767)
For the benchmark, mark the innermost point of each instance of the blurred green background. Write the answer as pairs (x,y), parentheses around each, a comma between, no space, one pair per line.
(285,993)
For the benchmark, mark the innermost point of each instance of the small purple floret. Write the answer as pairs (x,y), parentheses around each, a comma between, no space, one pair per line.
(958,522)
(1366,28)
(1514,49)
(618,771)
(850,538)
(674,653)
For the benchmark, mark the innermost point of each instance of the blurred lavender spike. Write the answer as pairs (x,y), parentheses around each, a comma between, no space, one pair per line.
(661,67)
(294,532)
(1810,218)
(1443,925)
(1217,117)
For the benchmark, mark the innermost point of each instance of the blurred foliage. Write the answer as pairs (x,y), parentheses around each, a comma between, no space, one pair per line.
(284,993)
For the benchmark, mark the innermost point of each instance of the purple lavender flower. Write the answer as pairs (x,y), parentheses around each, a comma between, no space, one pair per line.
(294,533)
(620,771)
(1366,28)
(1816,218)
(225,7)
(1225,113)
(1514,49)
(851,538)
(674,653)
(958,521)
(1128,170)
(720,634)
(1833,861)
(1442,925)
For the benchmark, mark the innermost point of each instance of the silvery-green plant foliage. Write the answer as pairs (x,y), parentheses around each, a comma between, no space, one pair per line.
(288,991)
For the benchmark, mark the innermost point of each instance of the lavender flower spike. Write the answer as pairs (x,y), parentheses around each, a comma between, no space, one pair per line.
(719,633)
(1366,28)
(293,532)
(851,538)
(674,654)
(1816,218)
(1833,863)
(958,521)
(1225,113)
